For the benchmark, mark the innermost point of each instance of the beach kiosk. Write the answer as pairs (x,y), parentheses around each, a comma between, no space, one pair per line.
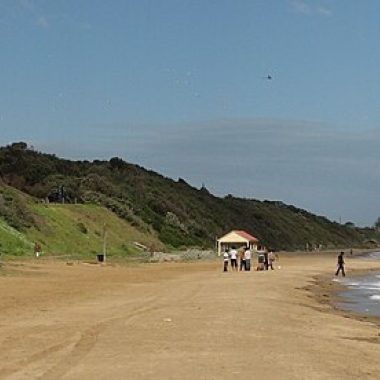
(237,238)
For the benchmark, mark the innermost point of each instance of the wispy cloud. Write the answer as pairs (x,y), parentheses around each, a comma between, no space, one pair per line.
(31,10)
(14,13)
(300,6)
(324,11)
(310,8)
(42,22)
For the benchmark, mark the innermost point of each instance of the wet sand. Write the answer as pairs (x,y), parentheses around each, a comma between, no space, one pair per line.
(182,321)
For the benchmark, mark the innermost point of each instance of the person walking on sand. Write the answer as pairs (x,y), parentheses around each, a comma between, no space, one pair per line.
(226,258)
(340,265)
(233,258)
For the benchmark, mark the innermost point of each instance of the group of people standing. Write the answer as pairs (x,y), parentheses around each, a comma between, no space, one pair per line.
(264,261)
(232,255)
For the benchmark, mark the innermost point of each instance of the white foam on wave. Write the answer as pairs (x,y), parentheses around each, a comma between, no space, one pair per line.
(375,297)
(363,285)
(366,287)
(371,256)
(353,284)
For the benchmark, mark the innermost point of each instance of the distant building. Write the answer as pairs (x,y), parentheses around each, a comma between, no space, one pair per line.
(237,238)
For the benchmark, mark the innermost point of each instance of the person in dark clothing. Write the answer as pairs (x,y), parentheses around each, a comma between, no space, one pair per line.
(226,258)
(266,262)
(340,265)
(260,262)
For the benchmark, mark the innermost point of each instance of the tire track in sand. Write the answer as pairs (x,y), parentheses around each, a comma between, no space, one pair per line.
(89,337)
(71,351)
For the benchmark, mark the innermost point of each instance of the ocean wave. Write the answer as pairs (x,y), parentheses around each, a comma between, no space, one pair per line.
(363,285)
(371,256)
(366,288)
(363,294)
(353,284)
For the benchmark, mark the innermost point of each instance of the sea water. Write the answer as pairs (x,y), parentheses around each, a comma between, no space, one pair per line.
(362,294)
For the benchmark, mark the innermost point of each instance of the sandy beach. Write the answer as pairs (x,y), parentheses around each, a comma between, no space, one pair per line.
(182,321)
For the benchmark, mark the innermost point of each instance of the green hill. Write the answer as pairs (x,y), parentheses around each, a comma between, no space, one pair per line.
(65,229)
(12,241)
(173,212)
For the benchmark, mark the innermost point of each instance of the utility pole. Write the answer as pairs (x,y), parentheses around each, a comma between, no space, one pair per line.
(104,241)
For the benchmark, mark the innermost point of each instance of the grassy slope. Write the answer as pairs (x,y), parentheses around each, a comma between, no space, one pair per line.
(12,241)
(70,229)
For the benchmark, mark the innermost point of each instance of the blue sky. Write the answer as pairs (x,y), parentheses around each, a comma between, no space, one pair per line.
(179,87)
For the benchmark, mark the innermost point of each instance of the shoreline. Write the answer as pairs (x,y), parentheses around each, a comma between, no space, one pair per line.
(326,292)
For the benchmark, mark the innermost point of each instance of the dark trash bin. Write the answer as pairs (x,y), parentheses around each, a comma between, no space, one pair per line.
(100,257)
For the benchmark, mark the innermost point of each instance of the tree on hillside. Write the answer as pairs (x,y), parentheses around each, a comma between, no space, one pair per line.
(117,163)
(19,145)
